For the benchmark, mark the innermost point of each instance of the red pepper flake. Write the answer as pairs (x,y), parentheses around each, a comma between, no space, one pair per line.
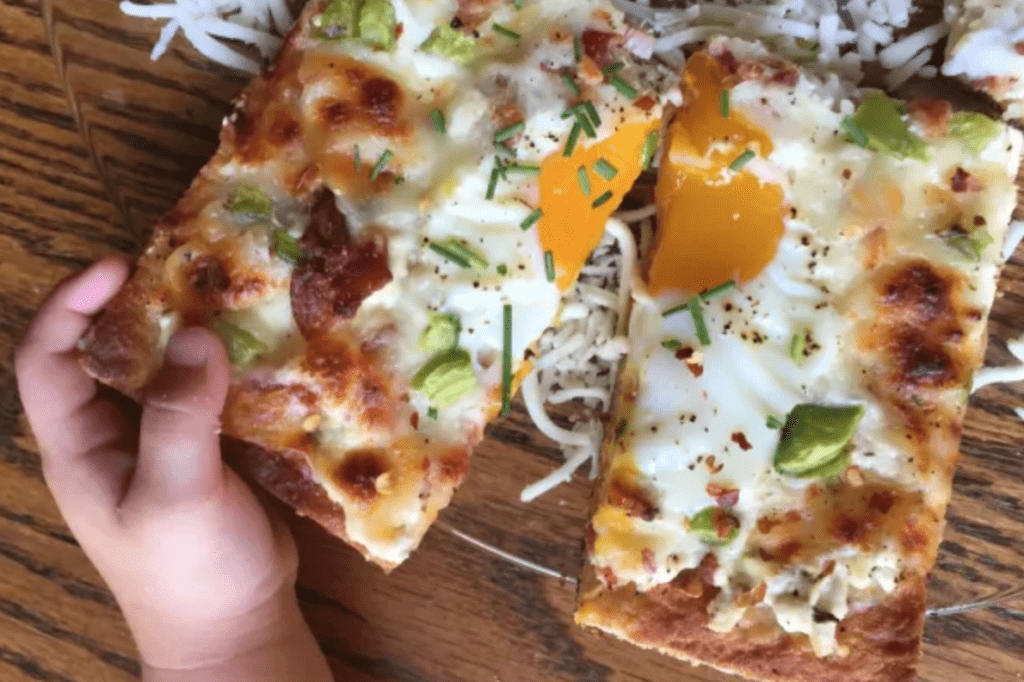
(962,181)
(724,497)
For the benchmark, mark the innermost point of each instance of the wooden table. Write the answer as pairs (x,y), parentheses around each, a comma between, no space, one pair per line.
(94,145)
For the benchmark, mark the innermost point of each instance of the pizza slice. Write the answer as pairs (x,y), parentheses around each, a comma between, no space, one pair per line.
(395,209)
(986,49)
(801,352)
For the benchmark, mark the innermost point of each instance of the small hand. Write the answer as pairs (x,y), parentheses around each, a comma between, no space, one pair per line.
(200,570)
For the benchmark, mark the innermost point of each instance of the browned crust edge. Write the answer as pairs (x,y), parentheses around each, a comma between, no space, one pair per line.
(883,641)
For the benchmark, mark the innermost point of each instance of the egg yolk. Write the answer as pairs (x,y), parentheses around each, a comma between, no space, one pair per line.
(571,226)
(714,224)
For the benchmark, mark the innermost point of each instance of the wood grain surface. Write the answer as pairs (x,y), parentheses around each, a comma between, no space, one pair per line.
(95,143)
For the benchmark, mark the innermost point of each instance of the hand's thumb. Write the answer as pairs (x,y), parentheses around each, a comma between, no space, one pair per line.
(179,448)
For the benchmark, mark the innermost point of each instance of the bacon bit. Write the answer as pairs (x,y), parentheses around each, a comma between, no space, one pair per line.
(607,576)
(1018,48)
(741,440)
(633,501)
(712,464)
(828,568)
(788,77)
(848,529)
(645,103)
(759,592)
(853,476)
(932,114)
(766,524)
(647,561)
(725,497)
(693,359)
(692,586)
(724,522)
(915,535)
(781,554)
(311,423)
(599,46)
(414,420)
(706,569)
(962,181)
(728,61)
(979,221)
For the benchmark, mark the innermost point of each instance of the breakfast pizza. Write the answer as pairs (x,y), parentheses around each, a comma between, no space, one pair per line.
(789,413)
(395,209)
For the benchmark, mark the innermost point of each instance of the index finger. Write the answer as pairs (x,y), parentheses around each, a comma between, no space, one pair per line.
(53,386)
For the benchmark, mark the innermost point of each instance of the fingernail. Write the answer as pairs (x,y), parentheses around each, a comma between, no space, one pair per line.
(96,286)
(188,348)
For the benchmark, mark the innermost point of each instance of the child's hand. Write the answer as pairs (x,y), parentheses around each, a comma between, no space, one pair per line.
(202,574)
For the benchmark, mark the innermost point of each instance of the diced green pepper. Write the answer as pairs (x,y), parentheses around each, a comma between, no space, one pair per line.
(251,201)
(446,377)
(880,120)
(972,245)
(815,437)
(286,247)
(974,129)
(442,332)
(377,23)
(241,345)
(452,43)
(715,526)
(340,19)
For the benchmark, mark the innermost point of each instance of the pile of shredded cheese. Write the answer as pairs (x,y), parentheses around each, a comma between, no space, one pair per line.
(208,23)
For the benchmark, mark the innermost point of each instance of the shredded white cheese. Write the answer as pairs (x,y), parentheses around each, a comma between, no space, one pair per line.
(207,23)
(1002,375)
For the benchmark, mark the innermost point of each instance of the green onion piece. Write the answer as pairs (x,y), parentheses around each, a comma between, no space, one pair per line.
(523,169)
(529,221)
(493,184)
(975,130)
(339,19)
(505,151)
(506,31)
(678,309)
(592,112)
(584,120)
(377,23)
(741,160)
(624,88)
(506,362)
(432,412)
(815,440)
(584,179)
(773,422)
(605,169)
(251,201)
(571,84)
(286,247)
(464,250)
(716,291)
(451,43)
(574,135)
(384,158)
(699,325)
(446,377)
(438,117)
(671,344)
(242,346)
(602,200)
(549,265)
(650,147)
(577,49)
(723,103)
(356,160)
(972,246)
(797,345)
(881,120)
(441,333)
(854,132)
(502,168)
(613,69)
(448,254)
(502,269)
(511,131)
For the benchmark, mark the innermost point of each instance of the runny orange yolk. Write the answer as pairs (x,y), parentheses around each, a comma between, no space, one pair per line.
(713,225)
(571,227)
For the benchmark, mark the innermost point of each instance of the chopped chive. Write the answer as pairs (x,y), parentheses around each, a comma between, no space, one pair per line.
(502,269)
(505,31)
(286,247)
(741,160)
(505,151)
(613,69)
(571,111)
(399,180)
(605,169)
(718,290)
(356,160)
(723,103)
(448,254)
(522,169)
(571,84)
(574,135)
(671,344)
(699,325)
(603,199)
(549,266)
(624,88)
(500,167)
(506,362)
(797,344)
(529,221)
(592,112)
(510,132)
(493,184)
(856,133)
(650,147)
(438,118)
(584,121)
(678,309)
(384,158)
(773,422)
(581,175)
(468,254)
(432,412)
(577,49)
